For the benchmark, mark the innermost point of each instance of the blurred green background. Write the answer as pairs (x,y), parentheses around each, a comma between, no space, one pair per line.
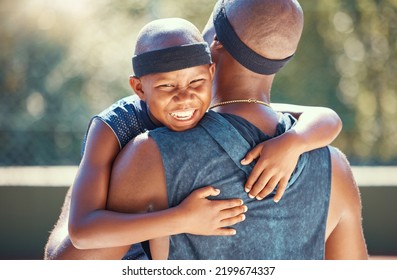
(64,61)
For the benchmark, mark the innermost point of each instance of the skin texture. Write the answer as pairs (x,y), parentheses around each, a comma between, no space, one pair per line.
(87,231)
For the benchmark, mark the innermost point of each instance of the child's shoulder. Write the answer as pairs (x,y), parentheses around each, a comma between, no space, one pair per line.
(127,103)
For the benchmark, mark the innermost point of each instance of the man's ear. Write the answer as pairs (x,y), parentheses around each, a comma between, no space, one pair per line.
(136,85)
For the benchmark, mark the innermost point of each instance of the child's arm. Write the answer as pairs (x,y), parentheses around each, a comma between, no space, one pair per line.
(316,128)
(92,226)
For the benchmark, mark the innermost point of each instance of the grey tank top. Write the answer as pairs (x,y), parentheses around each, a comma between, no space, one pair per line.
(209,154)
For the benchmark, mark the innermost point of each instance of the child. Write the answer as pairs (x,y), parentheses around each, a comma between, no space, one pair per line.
(91,226)
(196,72)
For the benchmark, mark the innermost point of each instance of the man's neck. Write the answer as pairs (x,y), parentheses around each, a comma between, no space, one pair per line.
(243,87)
(240,83)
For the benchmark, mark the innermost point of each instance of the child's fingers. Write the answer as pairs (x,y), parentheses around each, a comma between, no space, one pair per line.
(257,176)
(251,155)
(228,205)
(232,213)
(206,192)
(282,186)
(260,184)
(232,221)
(224,232)
(271,185)
(252,179)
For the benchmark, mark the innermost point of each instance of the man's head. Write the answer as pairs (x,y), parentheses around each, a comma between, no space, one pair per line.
(257,33)
(173,72)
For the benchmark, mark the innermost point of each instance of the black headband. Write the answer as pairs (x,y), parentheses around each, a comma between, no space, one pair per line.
(171,59)
(240,51)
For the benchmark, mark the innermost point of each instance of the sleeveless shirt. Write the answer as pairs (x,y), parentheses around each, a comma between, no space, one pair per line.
(209,154)
(127,118)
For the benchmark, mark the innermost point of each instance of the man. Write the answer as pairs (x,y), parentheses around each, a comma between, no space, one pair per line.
(266,36)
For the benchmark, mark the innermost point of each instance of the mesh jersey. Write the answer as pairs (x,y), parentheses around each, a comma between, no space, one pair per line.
(127,118)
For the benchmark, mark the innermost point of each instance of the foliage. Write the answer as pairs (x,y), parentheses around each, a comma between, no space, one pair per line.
(62,62)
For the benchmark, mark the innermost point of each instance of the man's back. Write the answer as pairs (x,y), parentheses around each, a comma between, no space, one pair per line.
(209,154)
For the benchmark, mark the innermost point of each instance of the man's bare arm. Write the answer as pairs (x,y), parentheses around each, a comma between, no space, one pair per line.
(59,234)
(345,239)
(60,247)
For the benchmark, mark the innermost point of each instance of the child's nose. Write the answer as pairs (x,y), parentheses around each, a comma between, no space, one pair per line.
(184,94)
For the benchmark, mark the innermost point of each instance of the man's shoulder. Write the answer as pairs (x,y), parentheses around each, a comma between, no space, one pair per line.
(141,142)
(340,164)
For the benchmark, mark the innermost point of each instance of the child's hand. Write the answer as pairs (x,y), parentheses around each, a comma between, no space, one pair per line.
(277,160)
(202,216)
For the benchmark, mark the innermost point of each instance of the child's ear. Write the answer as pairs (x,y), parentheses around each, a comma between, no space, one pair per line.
(136,85)
(212,70)
(216,44)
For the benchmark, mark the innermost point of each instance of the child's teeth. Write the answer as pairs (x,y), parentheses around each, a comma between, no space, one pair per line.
(183,114)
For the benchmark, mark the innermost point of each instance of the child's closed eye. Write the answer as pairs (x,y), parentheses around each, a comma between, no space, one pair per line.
(166,87)
(196,83)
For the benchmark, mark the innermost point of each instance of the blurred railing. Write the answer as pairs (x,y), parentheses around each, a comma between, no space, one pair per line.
(31,198)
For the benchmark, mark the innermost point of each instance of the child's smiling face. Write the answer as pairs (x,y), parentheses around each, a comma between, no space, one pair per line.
(177,99)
